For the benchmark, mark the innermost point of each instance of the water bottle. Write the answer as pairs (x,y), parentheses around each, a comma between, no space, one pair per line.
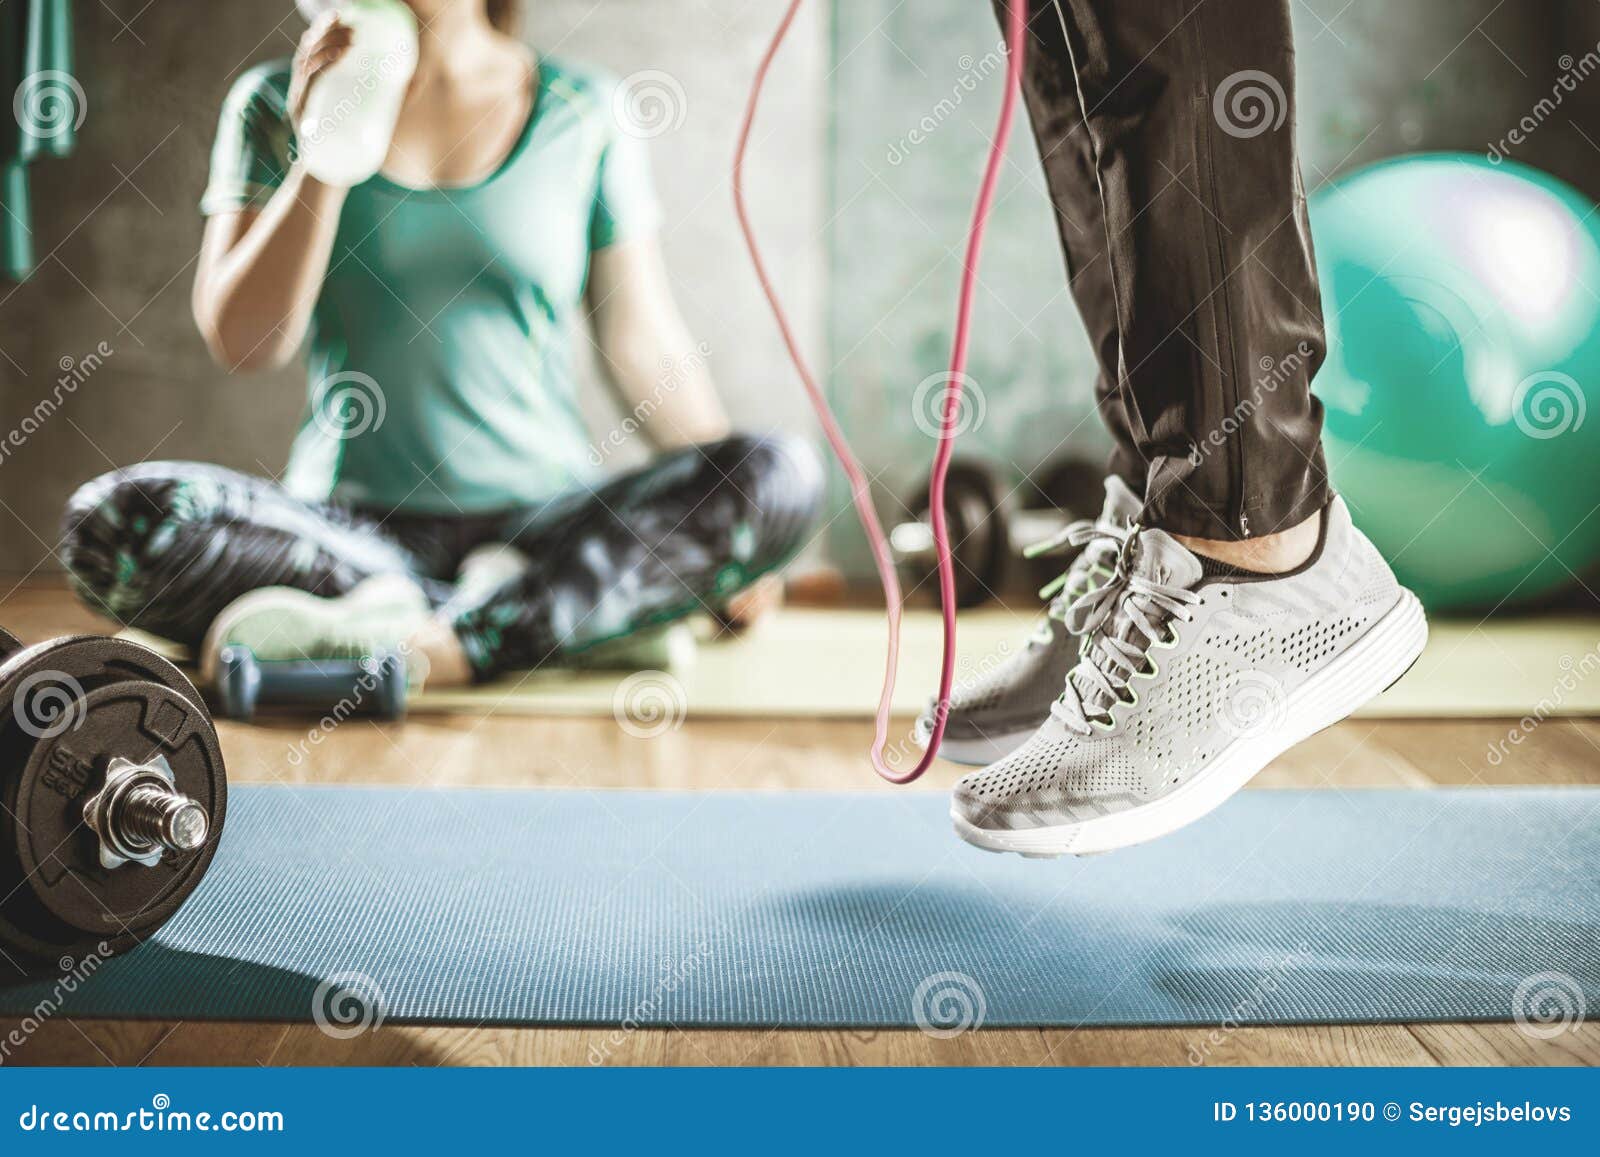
(352,107)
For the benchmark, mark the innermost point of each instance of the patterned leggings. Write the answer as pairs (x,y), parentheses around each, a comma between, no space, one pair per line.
(164,546)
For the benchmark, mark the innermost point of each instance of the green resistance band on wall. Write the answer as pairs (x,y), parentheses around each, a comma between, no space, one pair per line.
(47,109)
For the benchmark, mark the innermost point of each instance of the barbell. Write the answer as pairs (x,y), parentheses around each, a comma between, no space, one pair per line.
(113,796)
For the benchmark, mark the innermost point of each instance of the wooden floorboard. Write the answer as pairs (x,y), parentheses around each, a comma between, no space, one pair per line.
(124,1043)
(797,756)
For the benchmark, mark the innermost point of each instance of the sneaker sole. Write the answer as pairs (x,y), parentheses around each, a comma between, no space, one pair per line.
(1370,666)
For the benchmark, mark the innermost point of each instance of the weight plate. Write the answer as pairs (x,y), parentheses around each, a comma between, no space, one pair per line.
(66,708)
(979,546)
(60,856)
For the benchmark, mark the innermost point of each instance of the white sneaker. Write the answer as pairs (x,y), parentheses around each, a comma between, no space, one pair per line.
(1190,683)
(282,623)
(994,714)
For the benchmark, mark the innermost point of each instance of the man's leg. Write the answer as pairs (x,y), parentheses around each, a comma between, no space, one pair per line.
(676,536)
(1050,92)
(1188,111)
(1245,611)
(164,546)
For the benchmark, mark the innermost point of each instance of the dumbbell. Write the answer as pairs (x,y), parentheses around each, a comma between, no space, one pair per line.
(977,535)
(374,684)
(114,796)
(1066,490)
(988,533)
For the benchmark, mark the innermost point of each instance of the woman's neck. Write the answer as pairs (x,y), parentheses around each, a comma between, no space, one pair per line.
(454,39)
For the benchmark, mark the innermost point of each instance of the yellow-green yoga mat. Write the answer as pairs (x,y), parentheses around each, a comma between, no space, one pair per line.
(830,663)
(807,662)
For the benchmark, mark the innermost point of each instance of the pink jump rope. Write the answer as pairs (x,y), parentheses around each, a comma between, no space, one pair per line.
(860,492)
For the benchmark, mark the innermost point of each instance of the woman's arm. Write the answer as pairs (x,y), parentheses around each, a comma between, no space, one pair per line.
(260,271)
(658,369)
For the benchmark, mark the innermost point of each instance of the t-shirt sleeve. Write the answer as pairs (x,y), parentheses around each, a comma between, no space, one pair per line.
(251,155)
(625,203)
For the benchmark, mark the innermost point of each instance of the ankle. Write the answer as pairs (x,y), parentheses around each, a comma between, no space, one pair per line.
(441,655)
(1268,554)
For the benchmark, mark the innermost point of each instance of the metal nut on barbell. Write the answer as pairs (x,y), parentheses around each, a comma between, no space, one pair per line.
(139,815)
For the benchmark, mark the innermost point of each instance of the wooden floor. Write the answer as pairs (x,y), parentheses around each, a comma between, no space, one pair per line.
(755,754)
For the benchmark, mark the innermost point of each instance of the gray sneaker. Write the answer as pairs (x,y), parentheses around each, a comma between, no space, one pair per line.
(992,714)
(1193,678)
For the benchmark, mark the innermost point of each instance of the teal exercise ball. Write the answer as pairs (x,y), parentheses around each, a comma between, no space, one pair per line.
(1462,301)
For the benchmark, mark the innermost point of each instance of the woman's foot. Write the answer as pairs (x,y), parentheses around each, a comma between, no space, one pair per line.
(282,623)
(440,654)
(1195,678)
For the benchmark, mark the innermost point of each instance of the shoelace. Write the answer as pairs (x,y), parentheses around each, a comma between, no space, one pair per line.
(1123,619)
(1078,579)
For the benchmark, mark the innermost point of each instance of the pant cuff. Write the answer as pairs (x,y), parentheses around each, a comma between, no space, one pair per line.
(1182,513)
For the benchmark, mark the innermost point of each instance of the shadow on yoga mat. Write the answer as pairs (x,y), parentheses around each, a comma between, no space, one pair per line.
(796,909)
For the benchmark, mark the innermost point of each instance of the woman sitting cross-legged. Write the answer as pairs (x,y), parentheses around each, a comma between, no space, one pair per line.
(443,492)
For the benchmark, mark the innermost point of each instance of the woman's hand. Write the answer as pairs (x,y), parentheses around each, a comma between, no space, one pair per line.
(261,268)
(320,48)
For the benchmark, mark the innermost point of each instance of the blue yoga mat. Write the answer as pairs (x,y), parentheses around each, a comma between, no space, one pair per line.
(797,909)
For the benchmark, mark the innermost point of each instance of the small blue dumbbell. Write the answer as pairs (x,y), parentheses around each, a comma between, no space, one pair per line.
(373,685)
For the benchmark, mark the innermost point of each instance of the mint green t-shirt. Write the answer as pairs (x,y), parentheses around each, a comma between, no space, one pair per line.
(439,353)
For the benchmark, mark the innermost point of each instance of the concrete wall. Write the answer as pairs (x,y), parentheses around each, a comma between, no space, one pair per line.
(117,229)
